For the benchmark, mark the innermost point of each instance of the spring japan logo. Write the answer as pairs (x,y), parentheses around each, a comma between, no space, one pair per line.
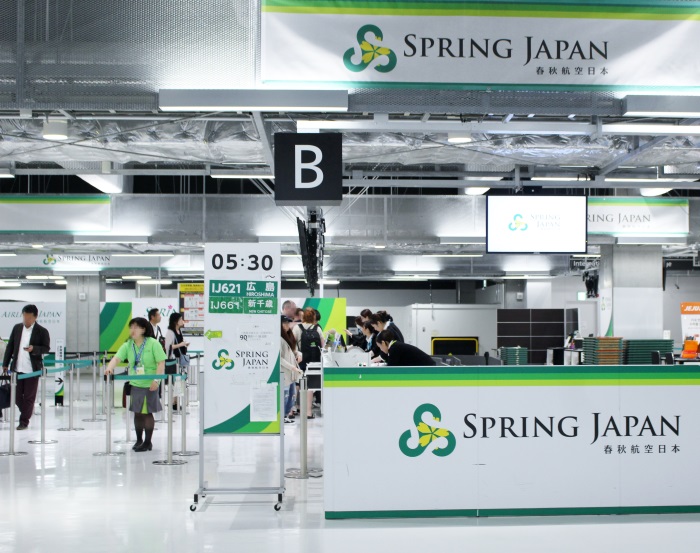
(222,361)
(427,434)
(370,51)
(518,223)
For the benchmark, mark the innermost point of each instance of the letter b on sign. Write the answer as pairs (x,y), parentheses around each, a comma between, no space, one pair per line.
(300,166)
(308,169)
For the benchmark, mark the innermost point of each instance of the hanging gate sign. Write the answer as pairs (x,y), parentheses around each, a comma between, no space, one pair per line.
(242,345)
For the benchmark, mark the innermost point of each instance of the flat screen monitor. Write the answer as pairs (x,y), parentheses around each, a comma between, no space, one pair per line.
(536,224)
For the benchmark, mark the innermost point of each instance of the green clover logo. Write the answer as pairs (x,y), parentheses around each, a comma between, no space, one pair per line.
(369,51)
(427,434)
(222,361)
(49,260)
(518,223)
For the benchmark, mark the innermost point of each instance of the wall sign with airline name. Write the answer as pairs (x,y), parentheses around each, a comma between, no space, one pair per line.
(557,45)
(308,169)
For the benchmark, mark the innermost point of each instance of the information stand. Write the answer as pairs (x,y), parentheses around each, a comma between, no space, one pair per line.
(240,386)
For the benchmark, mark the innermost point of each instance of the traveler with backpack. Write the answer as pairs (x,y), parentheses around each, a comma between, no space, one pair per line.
(290,369)
(309,337)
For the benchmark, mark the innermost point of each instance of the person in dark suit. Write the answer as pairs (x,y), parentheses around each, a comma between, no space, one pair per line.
(400,354)
(29,342)
(381,320)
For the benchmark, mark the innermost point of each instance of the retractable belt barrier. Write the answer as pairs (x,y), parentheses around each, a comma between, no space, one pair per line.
(12,377)
(303,472)
(73,365)
(131,377)
(94,417)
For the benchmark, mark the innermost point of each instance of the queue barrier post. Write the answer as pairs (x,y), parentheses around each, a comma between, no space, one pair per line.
(104,384)
(167,410)
(303,472)
(108,379)
(73,366)
(127,437)
(13,417)
(183,431)
(42,375)
(94,391)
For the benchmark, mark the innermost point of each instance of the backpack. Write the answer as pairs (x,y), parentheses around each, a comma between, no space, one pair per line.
(310,344)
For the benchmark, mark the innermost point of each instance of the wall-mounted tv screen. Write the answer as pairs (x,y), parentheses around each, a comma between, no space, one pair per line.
(536,224)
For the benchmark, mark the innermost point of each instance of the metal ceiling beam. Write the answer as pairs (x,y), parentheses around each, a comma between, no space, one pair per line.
(264,139)
(633,154)
(451,183)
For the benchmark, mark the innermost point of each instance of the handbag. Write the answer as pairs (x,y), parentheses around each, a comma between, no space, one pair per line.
(5,396)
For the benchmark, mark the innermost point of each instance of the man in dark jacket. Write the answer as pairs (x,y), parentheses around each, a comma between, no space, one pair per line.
(400,354)
(29,342)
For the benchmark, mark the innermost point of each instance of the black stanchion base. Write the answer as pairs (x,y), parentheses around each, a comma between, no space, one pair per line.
(69,429)
(105,454)
(15,454)
(186,453)
(173,462)
(297,475)
(94,420)
(42,442)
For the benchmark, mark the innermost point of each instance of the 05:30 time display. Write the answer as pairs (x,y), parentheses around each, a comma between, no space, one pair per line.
(232,262)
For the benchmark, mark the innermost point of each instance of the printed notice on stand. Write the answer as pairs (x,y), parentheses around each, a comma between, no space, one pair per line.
(263,403)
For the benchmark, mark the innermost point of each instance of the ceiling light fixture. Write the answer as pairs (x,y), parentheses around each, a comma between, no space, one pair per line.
(55,129)
(4,284)
(155,281)
(136,277)
(37,277)
(6,174)
(253,100)
(37,246)
(662,106)
(108,239)
(328,282)
(143,255)
(459,138)
(453,255)
(8,255)
(651,192)
(476,190)
(223,174)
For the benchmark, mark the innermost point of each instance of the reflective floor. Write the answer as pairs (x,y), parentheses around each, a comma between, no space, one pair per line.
(62,498)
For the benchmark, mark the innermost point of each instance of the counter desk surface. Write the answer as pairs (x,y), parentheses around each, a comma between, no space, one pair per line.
(511,440)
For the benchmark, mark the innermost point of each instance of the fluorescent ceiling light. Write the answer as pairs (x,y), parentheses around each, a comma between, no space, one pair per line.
(457,240)
(521,277)
(650,192)
(8,255)
(476,190)
(328,282)
(585,255)
(459,138)
(555,179)
(223,174)
(10,284)
(295,279)
(37,246)
(143,255)
(408,279)
(108,239)
(155,281)
(253,100)
(641,129)
(453,255)
(55,277)
(37,277)
(652,240)
(278,239)
(662,106)
(379,247)
(5,174)
(639,181)
(107,184)
(55,129)
(136,277)
(60,282)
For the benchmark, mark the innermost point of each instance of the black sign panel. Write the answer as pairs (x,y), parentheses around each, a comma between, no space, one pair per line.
(583,263)
(679,264)
(308,169)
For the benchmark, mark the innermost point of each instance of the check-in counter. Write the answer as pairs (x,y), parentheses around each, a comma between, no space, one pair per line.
(510,441)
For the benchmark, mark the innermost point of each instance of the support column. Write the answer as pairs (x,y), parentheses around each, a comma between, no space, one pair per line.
(83,297)
(631,292)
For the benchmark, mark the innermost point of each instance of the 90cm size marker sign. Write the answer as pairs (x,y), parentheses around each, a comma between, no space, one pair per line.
(232,262)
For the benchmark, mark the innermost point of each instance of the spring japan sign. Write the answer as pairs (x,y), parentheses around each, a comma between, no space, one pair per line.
(473,44)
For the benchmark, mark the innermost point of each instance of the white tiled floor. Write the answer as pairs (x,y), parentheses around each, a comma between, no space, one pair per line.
(62,498)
